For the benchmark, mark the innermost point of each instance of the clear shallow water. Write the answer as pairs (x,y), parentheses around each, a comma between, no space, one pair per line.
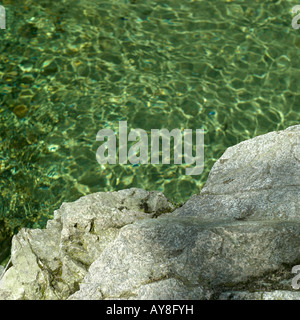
(72,68)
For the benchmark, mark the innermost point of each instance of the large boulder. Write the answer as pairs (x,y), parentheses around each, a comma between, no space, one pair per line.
(238,239)
(257,179)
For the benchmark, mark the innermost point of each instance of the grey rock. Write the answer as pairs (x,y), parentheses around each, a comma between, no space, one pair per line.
(261,295)
(165,289)
(204,257)
(257,179)
(244,225)
(238,239)
(49,263)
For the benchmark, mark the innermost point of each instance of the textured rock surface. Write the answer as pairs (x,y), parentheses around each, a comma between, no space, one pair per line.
(238,239)
(273,295)
(257,179)
(49,263)
(205,257)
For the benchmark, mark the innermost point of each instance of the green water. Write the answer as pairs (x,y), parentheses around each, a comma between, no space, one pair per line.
(71,68)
